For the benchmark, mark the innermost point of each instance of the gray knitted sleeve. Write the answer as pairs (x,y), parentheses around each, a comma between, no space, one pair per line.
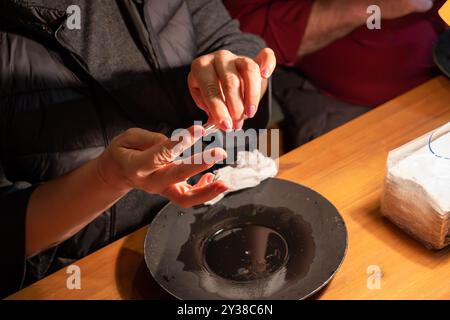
(215,30)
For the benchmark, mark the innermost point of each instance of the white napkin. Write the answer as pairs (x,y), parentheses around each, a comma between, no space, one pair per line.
(251,168)
(429,172)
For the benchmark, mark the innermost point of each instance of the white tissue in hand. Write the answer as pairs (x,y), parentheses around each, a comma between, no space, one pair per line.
(251,168)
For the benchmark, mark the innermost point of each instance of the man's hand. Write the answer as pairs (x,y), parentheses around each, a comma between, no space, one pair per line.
(392,9)
(228,87)
(140,159)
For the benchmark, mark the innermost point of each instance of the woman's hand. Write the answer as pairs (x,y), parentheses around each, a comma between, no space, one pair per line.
(140,159)
(137,158)
(228,87)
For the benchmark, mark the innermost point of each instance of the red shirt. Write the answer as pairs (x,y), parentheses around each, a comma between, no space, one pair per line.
(366,67)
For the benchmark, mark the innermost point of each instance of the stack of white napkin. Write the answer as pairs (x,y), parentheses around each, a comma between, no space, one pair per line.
(417,189)
(429,172)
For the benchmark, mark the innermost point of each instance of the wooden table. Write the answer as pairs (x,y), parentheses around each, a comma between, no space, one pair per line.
(347,166)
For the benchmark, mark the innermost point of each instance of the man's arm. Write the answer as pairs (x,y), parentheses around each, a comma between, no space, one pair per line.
(295,28)
(329,21)
(333,19)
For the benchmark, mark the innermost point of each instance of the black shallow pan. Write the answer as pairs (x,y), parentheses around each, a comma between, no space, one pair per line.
(278,240)
(442,53)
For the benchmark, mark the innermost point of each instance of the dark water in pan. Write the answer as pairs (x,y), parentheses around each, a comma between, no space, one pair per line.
(249,243)
(257,252)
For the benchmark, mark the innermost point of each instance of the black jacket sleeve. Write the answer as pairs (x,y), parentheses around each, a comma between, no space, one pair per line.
(13,205)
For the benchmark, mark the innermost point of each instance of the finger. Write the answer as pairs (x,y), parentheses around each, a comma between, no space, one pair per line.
(182,170)
(205,76)
(195,196)
(230,83)
(139,139)
(422,5)
(266,61)
(237,125)
(251,74)
(196,94)
(167,151)
(207,178)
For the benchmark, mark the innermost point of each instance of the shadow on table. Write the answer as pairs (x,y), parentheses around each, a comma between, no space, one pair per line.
(134,281)
(402,239)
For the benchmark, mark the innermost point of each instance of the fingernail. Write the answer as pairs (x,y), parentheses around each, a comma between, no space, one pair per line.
(266,73)
(227,125)
(213,153)
(238,124)
(199,131)
(209,178)
(251,111)
(218,154)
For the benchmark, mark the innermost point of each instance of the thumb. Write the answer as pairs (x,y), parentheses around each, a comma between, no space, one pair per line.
(422,5)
